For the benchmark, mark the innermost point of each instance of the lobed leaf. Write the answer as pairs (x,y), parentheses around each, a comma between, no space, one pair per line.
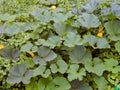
(52,42)
(96,66)
(117,46)
(79,54)
(19,73)
(101,86)
(58,83)
(60,66)
(27,47)
(12,54)
(89,20)
(91,6)
(113,29)
(72,39)
(74,72)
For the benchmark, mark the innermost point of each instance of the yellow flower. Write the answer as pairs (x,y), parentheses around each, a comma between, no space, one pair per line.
(53,7)
(100,32)
(1,46)
(32,54)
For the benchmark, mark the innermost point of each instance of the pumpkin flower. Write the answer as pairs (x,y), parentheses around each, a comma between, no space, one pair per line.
(1,46)
(53,7)
(100,32)
(32,54)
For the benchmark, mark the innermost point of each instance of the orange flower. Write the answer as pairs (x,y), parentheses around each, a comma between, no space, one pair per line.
(32,54)
(100,32)
(53,7)
(1,46)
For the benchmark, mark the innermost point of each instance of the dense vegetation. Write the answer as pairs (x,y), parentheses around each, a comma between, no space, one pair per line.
(59,44)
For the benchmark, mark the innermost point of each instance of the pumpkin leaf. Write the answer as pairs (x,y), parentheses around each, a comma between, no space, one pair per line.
(26,47)
(39,70)
(91,6)
(112,65)
(96,66)
(95,42)
(60,66)
(79,54)
(19,73)
(113,29)
(52,42)
(42,15)
(12,54)
(45,55)
(74,72)
(117,46)
(101,86)
(89,20)
(57,84)
(72,39)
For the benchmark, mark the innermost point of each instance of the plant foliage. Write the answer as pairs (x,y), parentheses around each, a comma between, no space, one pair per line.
(59,44)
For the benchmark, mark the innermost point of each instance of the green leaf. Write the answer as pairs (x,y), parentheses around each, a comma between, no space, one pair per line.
(13,28)
(61,28)
(74,72)
(89,20)
(91,6)
(96,66)
(54,68)
(12,54)
(95,42)
(43,51)
(52,42)
(60,66)
(61,17)
(58,83)
(79,54)
(115,9)
(117,46)
(103,85)
(34,49)
(33,85)
(42,14)
(19,73)
(46,73)
(30,26)
(26,47)
(39,70)
(113,29)
(41,84)
(112,65)
(72,39)
(39,60)
(29,62)
(102,43)
(45,55)
(90,39)
(39,42)
(7,17)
